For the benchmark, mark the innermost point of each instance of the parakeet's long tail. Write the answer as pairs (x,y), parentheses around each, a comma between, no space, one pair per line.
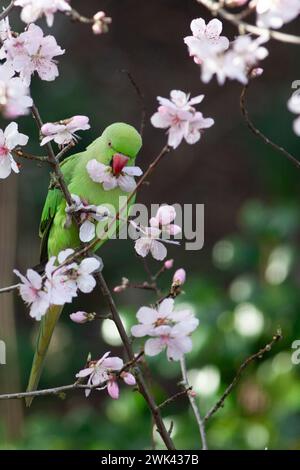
(48,323)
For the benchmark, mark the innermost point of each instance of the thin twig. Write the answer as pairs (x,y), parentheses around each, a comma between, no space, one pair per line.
(66,388)
(155,411)
(9,288)
(193,403)
(47,391)
(260,134)
(7,10)
(29,156)
(64,150)
(141,97)
(220,403)
(174,397)
(216,9)
(76,16)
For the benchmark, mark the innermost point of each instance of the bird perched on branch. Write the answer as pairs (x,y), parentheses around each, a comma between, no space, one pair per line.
(116,148)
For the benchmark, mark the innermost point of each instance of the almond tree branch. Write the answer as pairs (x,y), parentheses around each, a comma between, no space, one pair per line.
(155,411)
(217,9)
(44,392)
(9,288)
(64,150)
(141,97)
(52,159)
(193,403)
(220,403)
(66,388)
(174,397)
(7,10)
(260,134)
(22,154)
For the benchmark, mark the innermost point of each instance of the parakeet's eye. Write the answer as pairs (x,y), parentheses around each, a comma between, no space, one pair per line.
(109,143)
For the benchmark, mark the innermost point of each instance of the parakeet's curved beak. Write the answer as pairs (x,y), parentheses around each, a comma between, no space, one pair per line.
(118,162)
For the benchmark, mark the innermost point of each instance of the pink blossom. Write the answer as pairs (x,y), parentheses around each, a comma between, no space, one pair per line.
(80,317)
(294,107)
(178,116)
(33,52)
(62,282)
(116,176)
(34,9)
(10,139)
(275,13)
(100,372)
(149,243)
(101,22)
(31,291)
(171,338)
(14,95)
(179,277)
(235,63)
(64,132)
(89,214)
(206,39)
(150,319)
(217,56)
(62,287)
(163,220)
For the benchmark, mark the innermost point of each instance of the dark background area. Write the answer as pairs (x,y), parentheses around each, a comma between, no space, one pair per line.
(251,197)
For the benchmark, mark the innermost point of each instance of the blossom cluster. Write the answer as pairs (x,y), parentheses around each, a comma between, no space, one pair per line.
(160,225)
(179,116)
(32,52)
(88,215)
(167,328)
(104,373)
(216,55)
(59,285)
(64,131)
(275,13)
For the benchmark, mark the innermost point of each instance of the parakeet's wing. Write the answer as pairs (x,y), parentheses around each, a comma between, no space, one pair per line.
(53,200)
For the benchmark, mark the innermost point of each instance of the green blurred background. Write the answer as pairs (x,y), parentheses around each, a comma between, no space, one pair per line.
(242,285)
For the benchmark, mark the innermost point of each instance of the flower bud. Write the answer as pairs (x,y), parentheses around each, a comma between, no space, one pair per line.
(179,277)
(82,317)
(119,289)
(169,264)
(101,22)
(128,378)
(257,72)
(113,389)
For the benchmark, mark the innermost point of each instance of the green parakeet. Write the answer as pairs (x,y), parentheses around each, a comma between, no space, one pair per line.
(117,147)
